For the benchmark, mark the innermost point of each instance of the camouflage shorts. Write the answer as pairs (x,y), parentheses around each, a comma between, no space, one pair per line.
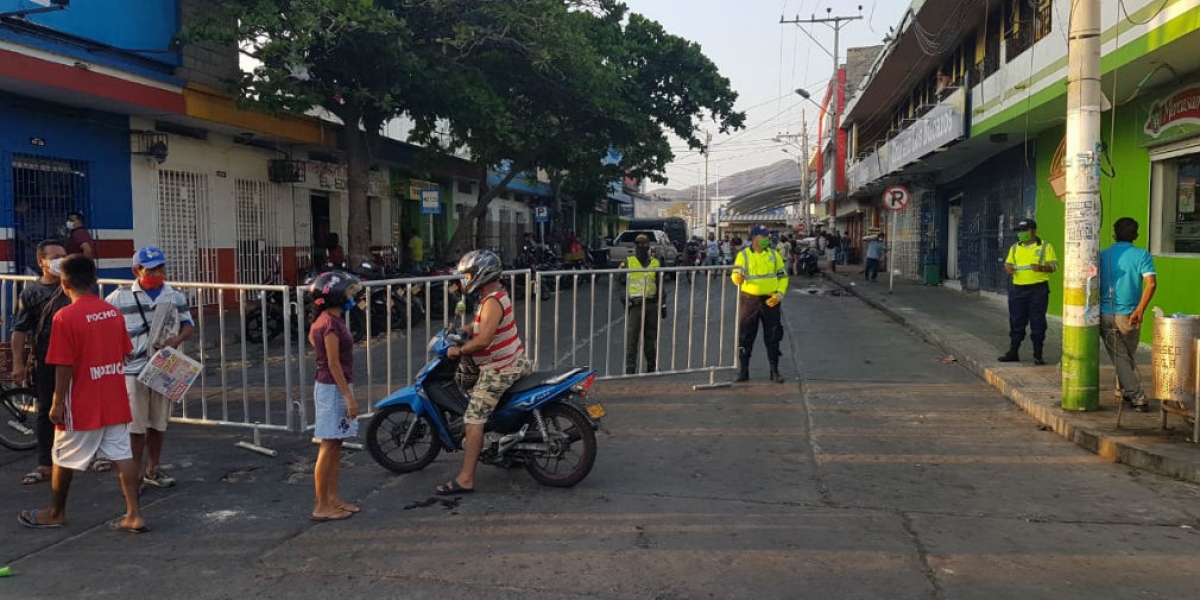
(491,385)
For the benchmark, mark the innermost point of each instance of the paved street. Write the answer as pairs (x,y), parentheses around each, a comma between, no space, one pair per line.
(877,472)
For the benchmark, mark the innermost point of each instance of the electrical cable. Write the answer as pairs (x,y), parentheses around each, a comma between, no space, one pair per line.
(1161,7)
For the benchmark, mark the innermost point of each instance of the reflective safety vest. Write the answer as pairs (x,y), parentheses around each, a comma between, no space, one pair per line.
(1023,257)
(765,272)
(642,284)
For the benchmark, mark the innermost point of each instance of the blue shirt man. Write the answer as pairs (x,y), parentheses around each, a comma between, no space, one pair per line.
(1127,282)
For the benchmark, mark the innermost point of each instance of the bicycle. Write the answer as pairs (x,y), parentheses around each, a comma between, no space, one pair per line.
(18,407)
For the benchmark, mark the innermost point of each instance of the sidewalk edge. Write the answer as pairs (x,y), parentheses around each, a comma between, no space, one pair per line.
(1109,447)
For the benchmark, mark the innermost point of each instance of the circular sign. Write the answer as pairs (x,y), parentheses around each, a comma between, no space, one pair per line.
(896,197)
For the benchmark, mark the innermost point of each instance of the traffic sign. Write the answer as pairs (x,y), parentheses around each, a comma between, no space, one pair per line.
(541,214)
(896,197)
(431,202)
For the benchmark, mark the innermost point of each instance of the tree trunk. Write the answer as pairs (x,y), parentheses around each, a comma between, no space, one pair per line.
(480,222)
(461,239)
(358,222)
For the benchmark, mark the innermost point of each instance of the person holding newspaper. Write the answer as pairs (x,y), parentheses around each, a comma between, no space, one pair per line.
(156,317)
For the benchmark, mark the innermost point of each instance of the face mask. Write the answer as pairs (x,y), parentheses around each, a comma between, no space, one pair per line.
(1024,236)
(151,282)
(70,225)
(55,266)
(349,305)
(764,243)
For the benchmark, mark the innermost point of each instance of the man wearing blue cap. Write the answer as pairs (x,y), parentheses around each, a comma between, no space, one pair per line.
(1030,262)
(761,276)
(141,304)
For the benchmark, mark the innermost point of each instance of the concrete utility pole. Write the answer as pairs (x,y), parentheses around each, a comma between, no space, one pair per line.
(835,23)
(1081,243)
(707,208)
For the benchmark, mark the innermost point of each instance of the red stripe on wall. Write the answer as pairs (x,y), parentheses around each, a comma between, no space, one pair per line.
(84,81)
(6,250)
(115,249)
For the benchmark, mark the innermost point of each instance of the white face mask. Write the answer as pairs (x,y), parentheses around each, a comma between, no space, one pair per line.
(70,225)
(55,266)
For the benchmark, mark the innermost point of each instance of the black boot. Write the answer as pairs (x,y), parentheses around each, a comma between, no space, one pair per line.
(1037,354)
(1012,354)
(775,376)
(743,366)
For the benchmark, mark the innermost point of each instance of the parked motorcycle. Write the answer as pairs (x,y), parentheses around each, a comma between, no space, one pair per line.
(545,422)
(808,262)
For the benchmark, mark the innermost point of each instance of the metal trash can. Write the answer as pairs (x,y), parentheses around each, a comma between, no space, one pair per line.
(1173,357)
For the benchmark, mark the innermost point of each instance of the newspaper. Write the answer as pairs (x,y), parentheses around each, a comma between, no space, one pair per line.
(171,373)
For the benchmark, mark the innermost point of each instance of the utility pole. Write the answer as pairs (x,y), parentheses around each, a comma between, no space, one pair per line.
(804,198)
(1081,251)
(836,24)
(707,208)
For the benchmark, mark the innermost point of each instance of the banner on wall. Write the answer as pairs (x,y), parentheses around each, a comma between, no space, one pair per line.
(1173,116)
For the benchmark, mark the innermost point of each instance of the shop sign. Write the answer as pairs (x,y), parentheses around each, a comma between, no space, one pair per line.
(1180,108)
(325,176)
(942,125)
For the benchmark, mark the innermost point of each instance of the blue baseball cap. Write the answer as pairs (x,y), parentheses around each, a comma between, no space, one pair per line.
(149,257)
(759,230)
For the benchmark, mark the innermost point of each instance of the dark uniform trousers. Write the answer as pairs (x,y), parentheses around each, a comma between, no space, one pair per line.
(641,326)
(751,310)
(1027,305)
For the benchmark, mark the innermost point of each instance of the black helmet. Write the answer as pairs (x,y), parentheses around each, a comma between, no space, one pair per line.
(333,288)
(478,268)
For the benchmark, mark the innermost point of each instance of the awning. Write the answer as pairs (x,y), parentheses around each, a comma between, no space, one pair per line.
(521,184)
(765,198)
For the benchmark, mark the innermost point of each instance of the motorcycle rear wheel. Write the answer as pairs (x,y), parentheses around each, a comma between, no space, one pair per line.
(568,428)
(385,439)
(18,419)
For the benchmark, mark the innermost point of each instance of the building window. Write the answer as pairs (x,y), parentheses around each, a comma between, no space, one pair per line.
(1176,185)
(466,187)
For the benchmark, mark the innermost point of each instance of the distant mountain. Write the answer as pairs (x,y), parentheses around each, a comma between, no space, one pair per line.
(784,171)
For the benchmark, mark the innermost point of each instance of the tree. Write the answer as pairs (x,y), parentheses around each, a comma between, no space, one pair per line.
(561,86)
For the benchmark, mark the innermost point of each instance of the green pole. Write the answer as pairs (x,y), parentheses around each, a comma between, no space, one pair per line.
(1081,281)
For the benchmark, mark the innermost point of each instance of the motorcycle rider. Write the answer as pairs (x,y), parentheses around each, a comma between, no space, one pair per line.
(496,350)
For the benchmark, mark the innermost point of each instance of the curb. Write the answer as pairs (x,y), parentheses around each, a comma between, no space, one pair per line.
(1112,448)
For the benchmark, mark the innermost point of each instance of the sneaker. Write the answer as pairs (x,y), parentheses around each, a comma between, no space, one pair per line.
(158,479)
(1141,406)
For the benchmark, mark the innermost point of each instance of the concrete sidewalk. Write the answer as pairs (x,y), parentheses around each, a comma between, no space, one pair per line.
(973,329)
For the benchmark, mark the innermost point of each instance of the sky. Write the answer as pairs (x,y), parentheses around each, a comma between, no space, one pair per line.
(765,61)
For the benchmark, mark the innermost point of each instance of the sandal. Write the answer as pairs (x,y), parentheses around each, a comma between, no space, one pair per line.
(34,476)
(452,489)
(101,465)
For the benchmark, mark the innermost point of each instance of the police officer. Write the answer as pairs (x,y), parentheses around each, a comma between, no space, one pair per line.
(642,310)
(1030,262)
(760,273)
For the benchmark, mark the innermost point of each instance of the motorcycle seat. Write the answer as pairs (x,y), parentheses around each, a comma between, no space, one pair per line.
(538,379)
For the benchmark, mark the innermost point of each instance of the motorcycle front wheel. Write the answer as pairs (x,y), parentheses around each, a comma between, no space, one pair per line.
(18,419)
(570,452)
(401,440)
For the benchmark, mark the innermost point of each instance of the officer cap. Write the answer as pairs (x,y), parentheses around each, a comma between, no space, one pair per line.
(759,230)
(642,239)
(1025,224)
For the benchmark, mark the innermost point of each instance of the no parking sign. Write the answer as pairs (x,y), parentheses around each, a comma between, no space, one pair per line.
(896,197)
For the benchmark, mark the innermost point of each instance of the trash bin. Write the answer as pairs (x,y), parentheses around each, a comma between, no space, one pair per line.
(1173,357)
(932,270)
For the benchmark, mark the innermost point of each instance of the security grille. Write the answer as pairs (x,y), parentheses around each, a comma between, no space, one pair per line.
(44,190)
(259,257)
(184,227)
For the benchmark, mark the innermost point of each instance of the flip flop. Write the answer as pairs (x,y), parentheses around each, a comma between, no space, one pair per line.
(117,526)
(33,477)
(342,517)
(101,465)
(452,489)
(29,519)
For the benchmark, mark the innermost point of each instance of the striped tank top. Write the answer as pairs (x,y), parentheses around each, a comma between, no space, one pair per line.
(506,347)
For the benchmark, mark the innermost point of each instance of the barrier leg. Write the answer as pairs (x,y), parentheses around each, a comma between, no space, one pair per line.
(712,382)
(257,446)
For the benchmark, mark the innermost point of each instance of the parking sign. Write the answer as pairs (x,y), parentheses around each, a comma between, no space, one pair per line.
(431,202)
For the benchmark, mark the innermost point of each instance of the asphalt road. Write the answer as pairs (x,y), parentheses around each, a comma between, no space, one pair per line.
(878,471)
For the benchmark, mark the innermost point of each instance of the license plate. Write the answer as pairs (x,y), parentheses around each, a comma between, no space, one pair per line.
(596,410)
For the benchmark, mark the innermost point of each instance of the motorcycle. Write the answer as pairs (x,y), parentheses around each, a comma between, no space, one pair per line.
(542,421)
(808,262)
(273,317)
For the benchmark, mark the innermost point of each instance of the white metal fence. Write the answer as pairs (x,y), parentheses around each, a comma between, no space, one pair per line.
(259,367)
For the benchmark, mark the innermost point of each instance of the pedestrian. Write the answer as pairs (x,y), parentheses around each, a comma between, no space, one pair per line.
(496,350)
(416,250)
(333,294)
(876,251)
(762,282)
(844,246)
(642,310)
(79,241)
(832,246)
(1127,283)
(797,250)
(156,317)
(712,251)
(735,246)
(784,248)
(335,256)
(88,345)
(40,300)
(1030,262)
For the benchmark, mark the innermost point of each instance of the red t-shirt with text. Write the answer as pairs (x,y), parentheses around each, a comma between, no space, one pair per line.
(89,335)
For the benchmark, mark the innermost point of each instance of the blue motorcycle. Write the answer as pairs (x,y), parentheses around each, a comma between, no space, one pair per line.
(545,422)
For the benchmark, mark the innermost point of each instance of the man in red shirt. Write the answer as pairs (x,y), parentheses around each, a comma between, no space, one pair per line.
(79,241)
(88,344)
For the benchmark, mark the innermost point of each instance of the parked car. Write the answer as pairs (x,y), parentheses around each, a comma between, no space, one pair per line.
(660,246)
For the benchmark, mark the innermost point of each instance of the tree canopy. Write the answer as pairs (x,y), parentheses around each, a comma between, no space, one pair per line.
(534,84)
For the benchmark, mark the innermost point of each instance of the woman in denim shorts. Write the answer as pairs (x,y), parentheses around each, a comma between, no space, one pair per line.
(333,294)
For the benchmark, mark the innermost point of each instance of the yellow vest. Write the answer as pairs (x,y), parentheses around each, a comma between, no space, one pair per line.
(642,284)
(1023,257)
(765,272)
